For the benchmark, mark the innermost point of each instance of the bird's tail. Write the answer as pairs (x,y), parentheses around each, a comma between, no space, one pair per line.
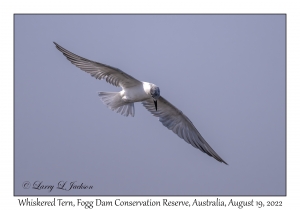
(113,100)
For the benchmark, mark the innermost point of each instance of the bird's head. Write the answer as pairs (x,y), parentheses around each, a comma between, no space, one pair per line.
(155,94)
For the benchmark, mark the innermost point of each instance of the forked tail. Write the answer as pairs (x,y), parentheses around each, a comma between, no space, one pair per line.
(113,100)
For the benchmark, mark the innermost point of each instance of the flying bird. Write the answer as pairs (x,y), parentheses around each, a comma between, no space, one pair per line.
(147,93)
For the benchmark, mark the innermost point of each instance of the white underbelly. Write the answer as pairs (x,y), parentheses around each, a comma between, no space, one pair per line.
(134,94)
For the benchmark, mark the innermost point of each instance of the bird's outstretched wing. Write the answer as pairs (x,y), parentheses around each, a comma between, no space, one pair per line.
(100,71)
(175,120)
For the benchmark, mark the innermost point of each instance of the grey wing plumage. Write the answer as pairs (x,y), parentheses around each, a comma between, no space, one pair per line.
(100,71)
(175,120)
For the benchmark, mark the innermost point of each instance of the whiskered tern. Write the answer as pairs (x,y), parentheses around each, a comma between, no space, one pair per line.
(133,91)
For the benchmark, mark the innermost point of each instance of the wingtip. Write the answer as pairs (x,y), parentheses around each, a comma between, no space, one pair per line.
(225,162)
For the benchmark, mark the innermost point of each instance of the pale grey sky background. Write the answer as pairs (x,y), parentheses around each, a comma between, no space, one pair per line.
(227,75)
